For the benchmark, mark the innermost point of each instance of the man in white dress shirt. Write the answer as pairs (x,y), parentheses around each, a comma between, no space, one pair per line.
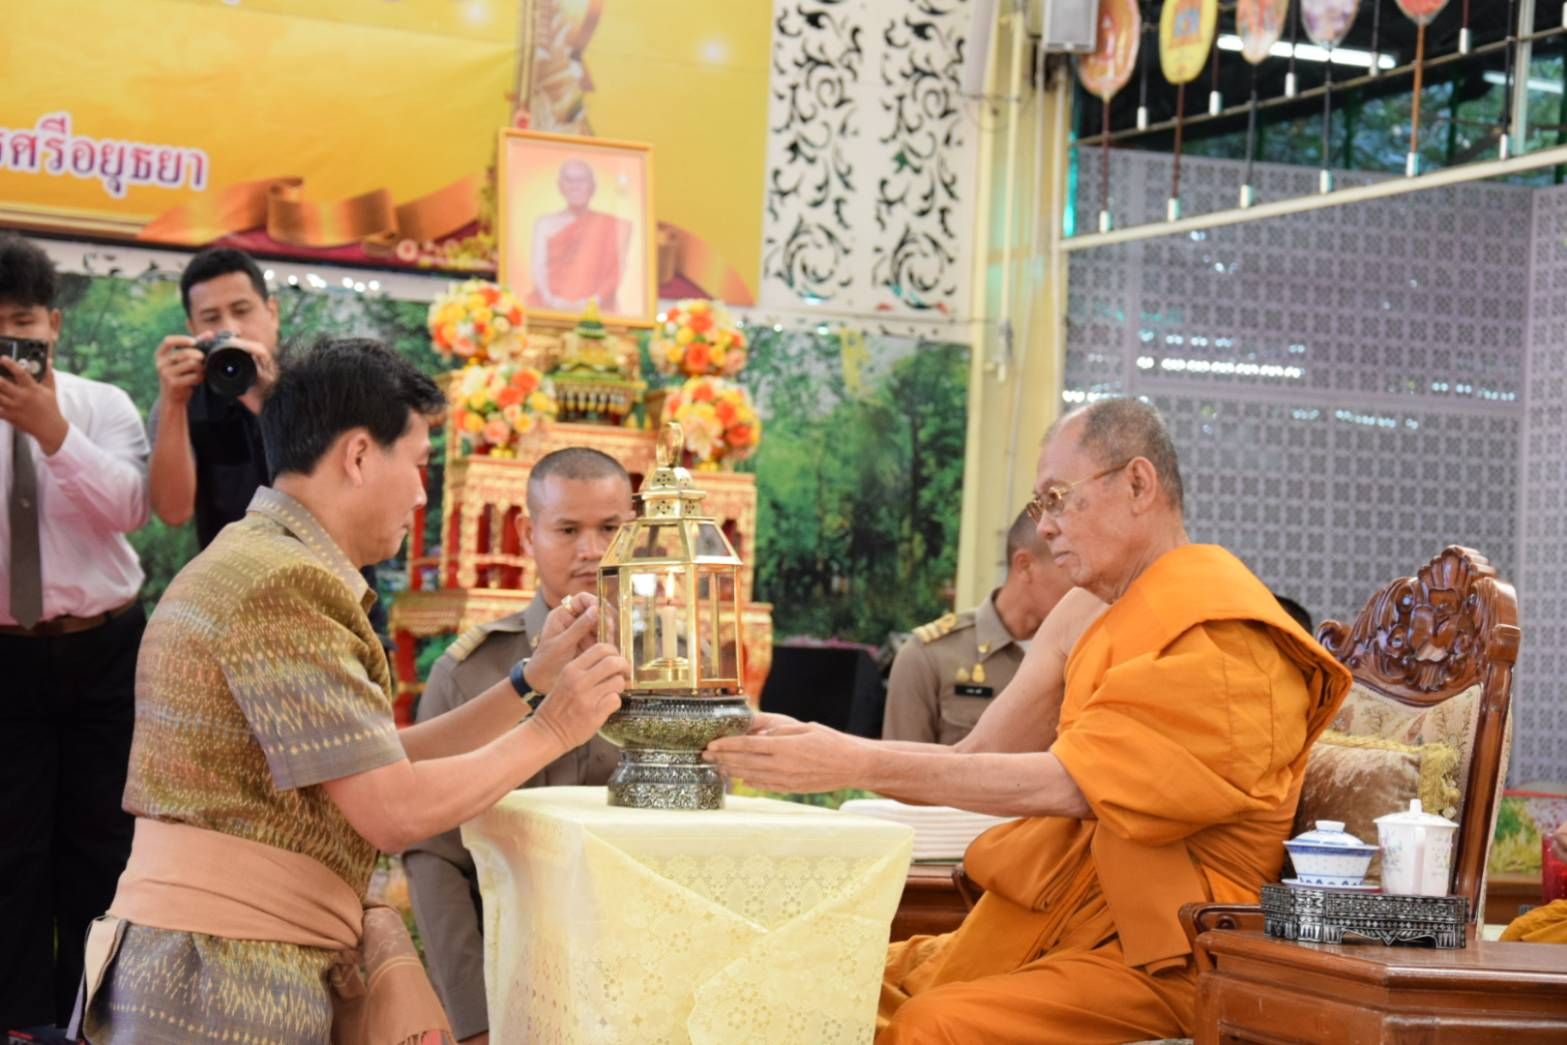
(73,465)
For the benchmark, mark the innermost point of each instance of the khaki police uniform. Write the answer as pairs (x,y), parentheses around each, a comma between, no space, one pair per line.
(441,879)
(947,675)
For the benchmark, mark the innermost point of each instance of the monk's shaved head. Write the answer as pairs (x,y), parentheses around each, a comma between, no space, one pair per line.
(577,169)
(1114,431)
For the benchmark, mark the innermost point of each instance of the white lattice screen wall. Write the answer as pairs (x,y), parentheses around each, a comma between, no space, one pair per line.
(1540,744)
(1347,388)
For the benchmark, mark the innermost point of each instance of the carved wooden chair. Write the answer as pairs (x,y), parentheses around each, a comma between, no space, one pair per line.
(1418,642)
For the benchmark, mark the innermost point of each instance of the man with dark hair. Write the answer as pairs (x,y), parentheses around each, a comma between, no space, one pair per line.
(577,500)
(1190,703)
(267,772)
(1298,613)
(73,465)
(946,677)
(207,454)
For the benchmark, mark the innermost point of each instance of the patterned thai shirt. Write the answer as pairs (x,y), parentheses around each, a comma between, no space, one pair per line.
(259,678)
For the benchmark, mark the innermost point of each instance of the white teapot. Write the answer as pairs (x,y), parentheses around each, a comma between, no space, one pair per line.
(1417,851)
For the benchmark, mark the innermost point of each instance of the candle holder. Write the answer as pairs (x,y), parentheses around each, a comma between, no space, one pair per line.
(668,593)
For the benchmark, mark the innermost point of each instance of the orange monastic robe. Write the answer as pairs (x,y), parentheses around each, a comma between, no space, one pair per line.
(1546,924)
(584,259)
(1190,705)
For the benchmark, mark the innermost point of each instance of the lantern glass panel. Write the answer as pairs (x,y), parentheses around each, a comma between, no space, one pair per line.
(718,624)
(609,608)
(659,541)
(707,541)
(658,650)
(624,544)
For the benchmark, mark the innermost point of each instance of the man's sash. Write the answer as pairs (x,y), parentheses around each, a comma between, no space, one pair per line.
(189,879)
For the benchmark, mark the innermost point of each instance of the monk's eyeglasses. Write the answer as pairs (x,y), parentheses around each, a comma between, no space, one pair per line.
(1051,500)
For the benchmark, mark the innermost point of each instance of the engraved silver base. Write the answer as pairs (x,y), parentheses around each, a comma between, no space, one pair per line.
(1327,915)
(661,741)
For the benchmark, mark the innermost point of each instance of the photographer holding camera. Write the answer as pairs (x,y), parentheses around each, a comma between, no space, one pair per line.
(207,456)
(73,460)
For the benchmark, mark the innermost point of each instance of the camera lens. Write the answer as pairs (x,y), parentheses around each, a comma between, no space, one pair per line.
(230,372)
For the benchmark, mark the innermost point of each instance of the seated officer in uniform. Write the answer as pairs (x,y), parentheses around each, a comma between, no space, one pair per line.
(577,499)
(943,679)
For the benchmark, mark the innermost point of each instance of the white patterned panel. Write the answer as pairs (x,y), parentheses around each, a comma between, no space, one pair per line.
(1328,505)
(1364,299)
(871,159)
(1540,736)
(1346,387)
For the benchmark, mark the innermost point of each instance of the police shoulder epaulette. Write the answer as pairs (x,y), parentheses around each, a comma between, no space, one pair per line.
(467,642)
(940,627)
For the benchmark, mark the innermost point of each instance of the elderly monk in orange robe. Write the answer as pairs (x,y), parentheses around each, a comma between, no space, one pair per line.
(1188,708)
(578,253)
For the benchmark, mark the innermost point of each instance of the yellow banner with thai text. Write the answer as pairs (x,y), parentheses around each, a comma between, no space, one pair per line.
(359,130)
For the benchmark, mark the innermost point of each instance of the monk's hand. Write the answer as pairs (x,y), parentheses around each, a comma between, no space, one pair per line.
(1559,843)
(767,721)
(569,631)
(793,757)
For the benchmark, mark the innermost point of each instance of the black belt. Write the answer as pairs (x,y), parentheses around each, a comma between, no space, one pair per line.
(65,624)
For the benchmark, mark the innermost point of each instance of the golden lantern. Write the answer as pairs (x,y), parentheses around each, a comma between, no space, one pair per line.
(669,594)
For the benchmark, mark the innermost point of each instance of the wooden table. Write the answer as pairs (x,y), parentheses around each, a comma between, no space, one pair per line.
(930,905)
(1263,991)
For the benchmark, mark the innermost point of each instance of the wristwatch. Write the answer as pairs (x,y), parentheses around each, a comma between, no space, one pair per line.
(519,682)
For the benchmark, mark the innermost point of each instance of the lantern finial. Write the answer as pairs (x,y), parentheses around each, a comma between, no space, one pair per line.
(670,440)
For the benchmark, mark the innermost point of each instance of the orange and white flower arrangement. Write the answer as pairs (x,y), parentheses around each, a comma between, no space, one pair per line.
(495,407)
(476,322)
(697,338)
(719,419)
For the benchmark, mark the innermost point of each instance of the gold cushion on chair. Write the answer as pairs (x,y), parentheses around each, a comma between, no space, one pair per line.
(1453,722)
(1357,779)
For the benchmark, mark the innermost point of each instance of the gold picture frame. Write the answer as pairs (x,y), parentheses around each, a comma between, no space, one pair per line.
(562,239)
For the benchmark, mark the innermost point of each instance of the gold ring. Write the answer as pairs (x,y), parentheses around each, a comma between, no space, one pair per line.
(566,602)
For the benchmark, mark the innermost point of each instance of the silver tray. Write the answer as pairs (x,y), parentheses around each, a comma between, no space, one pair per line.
(1328,915)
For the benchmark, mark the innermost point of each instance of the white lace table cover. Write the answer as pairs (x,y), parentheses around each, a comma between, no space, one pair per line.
(763,922)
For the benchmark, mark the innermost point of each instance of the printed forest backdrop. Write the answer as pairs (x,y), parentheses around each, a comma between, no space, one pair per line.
(859,473)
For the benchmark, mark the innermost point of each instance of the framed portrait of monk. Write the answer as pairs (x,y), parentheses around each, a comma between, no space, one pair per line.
(576,226)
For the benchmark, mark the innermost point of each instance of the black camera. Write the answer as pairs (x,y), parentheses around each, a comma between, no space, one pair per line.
(31,353)
(230,370)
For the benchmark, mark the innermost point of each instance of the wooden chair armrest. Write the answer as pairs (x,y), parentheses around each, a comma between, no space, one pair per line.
(967,888)
(1198,918)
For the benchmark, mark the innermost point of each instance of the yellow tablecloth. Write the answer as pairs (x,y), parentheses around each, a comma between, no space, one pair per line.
(763,922)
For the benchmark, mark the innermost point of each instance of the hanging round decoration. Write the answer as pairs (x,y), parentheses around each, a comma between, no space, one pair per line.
(1328,21)
(1104,72)
(1421,11)
(1259,24)
(1186,30)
